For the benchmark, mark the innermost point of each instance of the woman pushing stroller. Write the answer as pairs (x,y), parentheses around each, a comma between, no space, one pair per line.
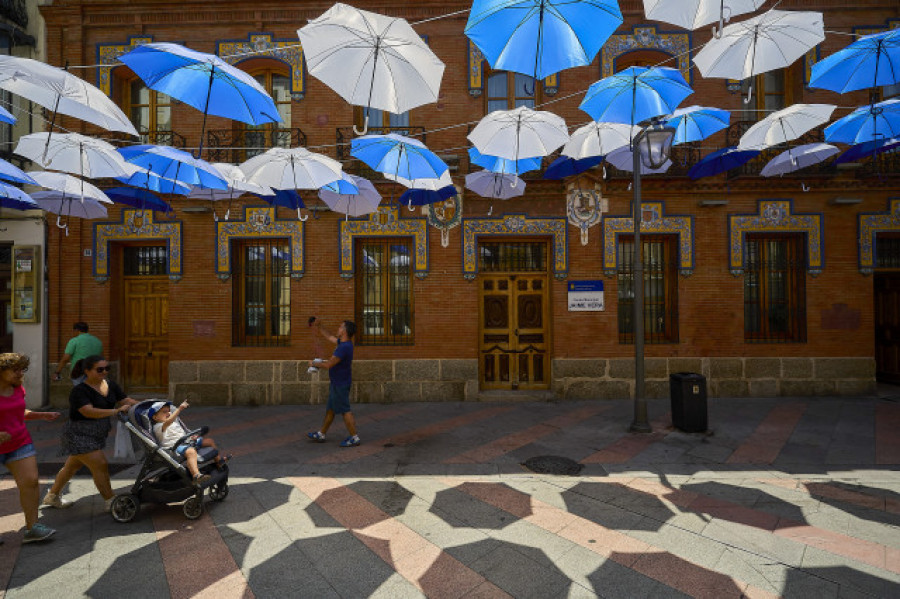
(168,432)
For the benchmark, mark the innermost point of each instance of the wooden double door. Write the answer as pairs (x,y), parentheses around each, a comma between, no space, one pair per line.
(514,332)
(146,357)
(887,327)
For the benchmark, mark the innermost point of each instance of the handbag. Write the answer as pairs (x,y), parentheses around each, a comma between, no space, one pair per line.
(123,447)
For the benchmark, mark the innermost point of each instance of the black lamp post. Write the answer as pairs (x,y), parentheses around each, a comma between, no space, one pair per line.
(651,147)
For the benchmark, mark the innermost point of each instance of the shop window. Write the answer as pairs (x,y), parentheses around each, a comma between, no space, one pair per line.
(659,254)
(384,298)
(775,289)
(507,90)
(524,256)
(261,292)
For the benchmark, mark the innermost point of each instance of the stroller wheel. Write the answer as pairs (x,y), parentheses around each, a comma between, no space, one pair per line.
(219,491)
(193,507)
(125,508)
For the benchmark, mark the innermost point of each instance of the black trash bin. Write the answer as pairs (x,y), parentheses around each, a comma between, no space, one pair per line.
(688,394)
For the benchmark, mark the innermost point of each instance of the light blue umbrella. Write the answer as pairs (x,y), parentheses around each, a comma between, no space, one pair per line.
(13,197)
(867,123)
(503,165)
(153,182)
(10,172)
(696,122)
(6,116)
(174,164)
(343,185)
(635,95)
(721,161)
(541,37)
(870,61)
(398,156)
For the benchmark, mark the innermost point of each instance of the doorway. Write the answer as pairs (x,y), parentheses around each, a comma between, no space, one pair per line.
(887,327)
(145,363)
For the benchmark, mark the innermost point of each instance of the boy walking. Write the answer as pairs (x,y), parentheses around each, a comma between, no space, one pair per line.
(339,367)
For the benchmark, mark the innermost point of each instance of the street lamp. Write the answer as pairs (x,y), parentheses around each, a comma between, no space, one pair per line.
(651,146)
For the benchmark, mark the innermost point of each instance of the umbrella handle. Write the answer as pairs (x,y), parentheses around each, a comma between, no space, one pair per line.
(804,187)
(227,213)
(490,210)
(300,217)
(365,128)
(411,207)
(749,94)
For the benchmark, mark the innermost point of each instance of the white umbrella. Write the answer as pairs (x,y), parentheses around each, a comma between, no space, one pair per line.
(430,184)
(70,186)
(798,158)
(371,59)
(61,91)
(291,168)
(770,41)
(623,159)
(237,185)
(519,133)
(693,14)
(74,153)
(598,139)
(353,204)
(499,186)
(785,125)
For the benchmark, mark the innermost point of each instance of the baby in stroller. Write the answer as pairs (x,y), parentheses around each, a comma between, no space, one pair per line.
(178,464)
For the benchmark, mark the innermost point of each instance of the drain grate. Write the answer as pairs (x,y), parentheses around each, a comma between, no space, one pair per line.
(553,464)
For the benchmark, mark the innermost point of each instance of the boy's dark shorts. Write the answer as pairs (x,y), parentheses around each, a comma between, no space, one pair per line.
(339,399)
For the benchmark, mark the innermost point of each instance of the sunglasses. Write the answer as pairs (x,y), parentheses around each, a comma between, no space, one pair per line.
(102,369)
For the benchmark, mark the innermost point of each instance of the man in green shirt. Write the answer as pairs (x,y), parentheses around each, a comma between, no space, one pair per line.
(82,345)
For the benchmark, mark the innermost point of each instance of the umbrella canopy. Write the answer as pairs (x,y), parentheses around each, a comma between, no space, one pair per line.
(721,161)
(519,133)
(74,153)
(426,183)
(798,158)
(694,123)
(288,198)
(693,14)
(62,204)
(867,149)
(10,172)
(598,139)
(138,198)
(785,125)
(503,165)
(6,116)
(870,61)
(61,92)
(398,155)
(291,168)
(541,37)
(153,182)
(623,159)
(13,197)
(371,60)
(365,201)
(566,166)
(867,123)
(174,164)
(636,94)
(770,41)
(498,186)
(343,185)
(421,197)
(69,186)
(237,185)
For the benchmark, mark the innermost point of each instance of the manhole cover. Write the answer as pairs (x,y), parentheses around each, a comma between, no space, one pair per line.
(553,464)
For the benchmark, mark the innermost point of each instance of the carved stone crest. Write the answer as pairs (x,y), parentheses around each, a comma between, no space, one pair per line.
(445,215)
(585,208)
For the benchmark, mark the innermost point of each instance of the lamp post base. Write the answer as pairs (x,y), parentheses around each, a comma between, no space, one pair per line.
(640,427)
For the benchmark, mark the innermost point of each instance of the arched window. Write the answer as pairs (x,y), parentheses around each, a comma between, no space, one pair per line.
(643,58)
(771,92)
(256,139)
(150,111)
(507,90)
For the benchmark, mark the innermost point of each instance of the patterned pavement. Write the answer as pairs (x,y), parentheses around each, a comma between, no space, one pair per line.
(789,497)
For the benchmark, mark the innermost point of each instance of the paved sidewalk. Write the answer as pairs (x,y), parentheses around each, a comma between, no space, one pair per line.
(793,497)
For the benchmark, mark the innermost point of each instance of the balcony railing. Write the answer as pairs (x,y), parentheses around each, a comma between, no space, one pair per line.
(356,167)
(238,145)
(754,167)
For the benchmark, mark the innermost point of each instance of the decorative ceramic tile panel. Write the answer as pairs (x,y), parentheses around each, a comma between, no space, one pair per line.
(776,216)
(515,225)
(385,222)
(263,45)
(136,225)
(476,74)
(646,37)
(870,224)
(109,55)
(259,223)
(653,221)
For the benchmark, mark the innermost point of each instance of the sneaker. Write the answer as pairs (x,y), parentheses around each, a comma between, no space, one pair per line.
(350,441)
(201,479)
(54,500)
(316,436)
(107,505)
(38,532)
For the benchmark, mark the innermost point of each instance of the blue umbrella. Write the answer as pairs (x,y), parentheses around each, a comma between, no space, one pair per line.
(204,81)
(866,149)
(867,123)
(635,95)
(696,122)
(398,156)
(870,61)
(174,164)
(13,197)
(10,172)
(153,182)
(721,161)
(343,185)
(541,37)
(138,198)
(566,166)
(420,197)
(289,198)
(6,116)
(504,165)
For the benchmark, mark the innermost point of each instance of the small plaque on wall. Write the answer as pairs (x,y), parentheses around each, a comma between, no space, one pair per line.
(204,328)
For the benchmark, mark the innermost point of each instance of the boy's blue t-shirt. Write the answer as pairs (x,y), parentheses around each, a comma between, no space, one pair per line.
(341,373)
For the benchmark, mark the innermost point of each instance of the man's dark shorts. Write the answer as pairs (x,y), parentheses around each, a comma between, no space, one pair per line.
(339,399)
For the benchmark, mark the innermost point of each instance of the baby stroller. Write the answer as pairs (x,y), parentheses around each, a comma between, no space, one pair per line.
(163,477)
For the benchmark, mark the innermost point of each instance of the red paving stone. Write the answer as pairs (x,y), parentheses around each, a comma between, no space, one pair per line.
(630,445)
(887,425)
(11,518)
(829,491)
(766,442)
